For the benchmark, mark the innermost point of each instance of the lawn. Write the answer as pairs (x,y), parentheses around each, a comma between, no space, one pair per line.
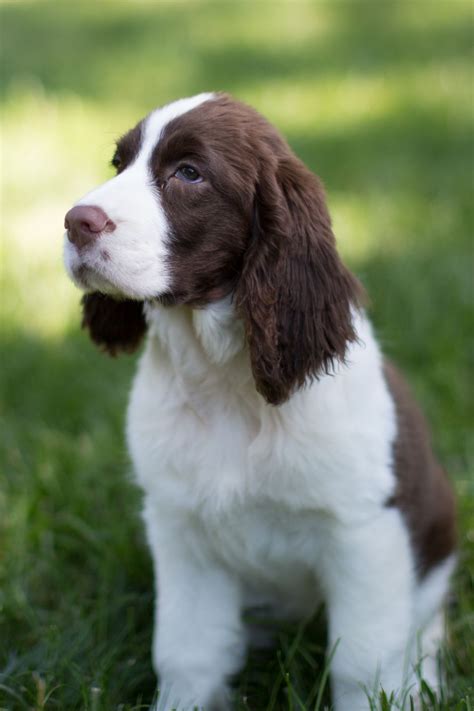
(377,98)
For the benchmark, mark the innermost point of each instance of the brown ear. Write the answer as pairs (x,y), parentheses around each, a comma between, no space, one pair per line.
(113,325)
(295,295)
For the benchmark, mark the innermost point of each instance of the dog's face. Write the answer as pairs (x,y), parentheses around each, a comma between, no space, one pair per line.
(174,223)
(209,201)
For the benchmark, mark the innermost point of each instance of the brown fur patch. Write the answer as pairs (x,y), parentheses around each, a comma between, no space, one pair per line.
(423,493)
(210,221)
(113,325)
(127,148)
(295,294)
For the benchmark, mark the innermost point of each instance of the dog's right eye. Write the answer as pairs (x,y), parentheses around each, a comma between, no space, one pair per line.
(116,162)
(188,174)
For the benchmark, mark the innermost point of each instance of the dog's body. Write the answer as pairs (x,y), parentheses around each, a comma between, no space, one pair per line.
(282,462)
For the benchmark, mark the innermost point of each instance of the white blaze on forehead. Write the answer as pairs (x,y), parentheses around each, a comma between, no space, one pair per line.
(154,124)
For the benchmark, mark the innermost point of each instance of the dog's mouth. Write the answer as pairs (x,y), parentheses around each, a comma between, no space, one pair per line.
(87,271)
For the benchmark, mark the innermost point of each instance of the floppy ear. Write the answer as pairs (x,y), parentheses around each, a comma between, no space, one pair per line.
(295,295)
(113,325)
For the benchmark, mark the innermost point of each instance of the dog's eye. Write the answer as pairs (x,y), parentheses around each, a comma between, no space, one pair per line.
(116,162)
(188,174)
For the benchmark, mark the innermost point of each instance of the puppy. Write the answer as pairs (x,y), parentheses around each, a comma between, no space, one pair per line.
(282,460)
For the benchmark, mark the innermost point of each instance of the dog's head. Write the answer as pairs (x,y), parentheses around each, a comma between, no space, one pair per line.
(209,201)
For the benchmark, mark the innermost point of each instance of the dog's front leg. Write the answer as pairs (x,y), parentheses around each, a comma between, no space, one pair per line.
(368,576)
(198,639)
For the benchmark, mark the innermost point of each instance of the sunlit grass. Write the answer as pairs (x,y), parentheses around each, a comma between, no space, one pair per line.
(49,163)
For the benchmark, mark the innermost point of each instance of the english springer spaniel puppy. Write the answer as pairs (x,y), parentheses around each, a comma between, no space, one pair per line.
(283,460)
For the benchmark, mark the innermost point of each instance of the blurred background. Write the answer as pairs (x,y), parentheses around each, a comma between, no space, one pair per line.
(377,98)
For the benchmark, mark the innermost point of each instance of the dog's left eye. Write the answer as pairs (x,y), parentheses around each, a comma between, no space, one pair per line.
(188,174)
(116,162)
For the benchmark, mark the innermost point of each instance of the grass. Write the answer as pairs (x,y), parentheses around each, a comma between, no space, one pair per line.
(377,98)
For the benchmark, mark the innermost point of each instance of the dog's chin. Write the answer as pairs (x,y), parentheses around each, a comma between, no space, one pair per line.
(90,280)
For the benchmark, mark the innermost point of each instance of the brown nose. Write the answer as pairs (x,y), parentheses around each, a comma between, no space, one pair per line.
(85,223)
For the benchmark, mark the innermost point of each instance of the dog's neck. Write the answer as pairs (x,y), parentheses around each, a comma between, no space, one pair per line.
(206,350)
(202,344)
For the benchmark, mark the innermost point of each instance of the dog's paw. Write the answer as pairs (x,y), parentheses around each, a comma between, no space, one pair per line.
(172,697)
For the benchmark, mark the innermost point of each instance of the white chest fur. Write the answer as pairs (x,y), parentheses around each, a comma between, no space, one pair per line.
(203,441)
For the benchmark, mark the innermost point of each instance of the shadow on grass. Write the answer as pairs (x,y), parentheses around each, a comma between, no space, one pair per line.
(140,51)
